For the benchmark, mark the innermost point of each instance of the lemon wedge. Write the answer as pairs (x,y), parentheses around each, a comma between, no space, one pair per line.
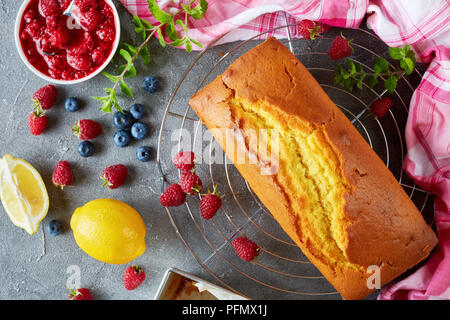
(23,193)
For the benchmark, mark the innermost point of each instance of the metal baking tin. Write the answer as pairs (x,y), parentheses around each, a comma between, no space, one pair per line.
(172,272)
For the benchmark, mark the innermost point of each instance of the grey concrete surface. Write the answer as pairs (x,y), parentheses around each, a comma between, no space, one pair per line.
(35,267)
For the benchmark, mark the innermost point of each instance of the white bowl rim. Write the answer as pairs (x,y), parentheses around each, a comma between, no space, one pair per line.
(57,81)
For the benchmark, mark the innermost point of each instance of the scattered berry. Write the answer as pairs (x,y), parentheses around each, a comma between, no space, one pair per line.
(114,176)
(138,111)
(190,182)
(54,227)
(122,138)
(381,106)
(72,104)
(144,154)
(139,130)
(340,48)
(62,176)
(87,129)
(133,277)
(184,160)
(37,121)
(150,84)
(310,29)
(80,294)
(210,204)
(86,149)
(123,120)
(245,248)
(45,97)
(174,196)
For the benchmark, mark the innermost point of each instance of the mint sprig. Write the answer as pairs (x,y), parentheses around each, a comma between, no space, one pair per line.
(351,74)
(146,30)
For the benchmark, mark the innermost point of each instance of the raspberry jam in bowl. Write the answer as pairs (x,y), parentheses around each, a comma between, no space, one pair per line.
(67,50)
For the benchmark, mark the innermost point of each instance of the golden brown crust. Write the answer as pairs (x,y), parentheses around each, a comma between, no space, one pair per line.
(382,225)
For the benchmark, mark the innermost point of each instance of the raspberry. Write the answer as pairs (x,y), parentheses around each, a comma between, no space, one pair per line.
(190,183)
(37,122)
(174,196)
(49,7)
(79,62)
(54,61)
(381,106)
(133,277)
(62,175)
(44,45)
(34,29)
(45,97)
(245,248)
(106,33)
(88,41)
(86,129)
(59,38)
(98,56)
(80,294)
(210,204)
(90,20)
(114,176)
(340,48)
(309,29)
(184,160)
(29,16)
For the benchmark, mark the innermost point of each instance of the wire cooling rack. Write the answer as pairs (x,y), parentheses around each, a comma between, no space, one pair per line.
(281,271)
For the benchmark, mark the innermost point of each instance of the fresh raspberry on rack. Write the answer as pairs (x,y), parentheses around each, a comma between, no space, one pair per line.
(184,160)
(245,248)
(86,129)
(381,106)
(210,203)
(114,176)
(190,182)
(310,29)
(133,277)
(37,122)
(45,97)
(340,48)
(173,196)
(80,294)
(62,175)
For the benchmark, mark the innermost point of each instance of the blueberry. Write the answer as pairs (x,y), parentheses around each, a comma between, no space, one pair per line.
(139,130)
(72,104)
(144,154)
(138,111)
(122,138)
(150,84)
(123,120)
(54,227)
(86,149)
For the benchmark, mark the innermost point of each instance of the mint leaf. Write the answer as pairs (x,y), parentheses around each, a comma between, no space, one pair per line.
(145,55)
(198,11)
(125,89)
(188,45)
(396,53)
(351,67)
(381,64)
(390,84)
(171,32)
(408,65)
(157,13)
(198,44)
(161,38)
(372,81)
(110,76)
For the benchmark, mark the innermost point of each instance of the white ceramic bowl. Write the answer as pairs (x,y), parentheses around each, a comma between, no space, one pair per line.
(65,82)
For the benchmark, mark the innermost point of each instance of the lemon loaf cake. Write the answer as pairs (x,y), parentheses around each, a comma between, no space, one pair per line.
(326,187)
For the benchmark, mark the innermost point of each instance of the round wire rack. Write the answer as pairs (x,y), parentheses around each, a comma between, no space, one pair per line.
(281,271)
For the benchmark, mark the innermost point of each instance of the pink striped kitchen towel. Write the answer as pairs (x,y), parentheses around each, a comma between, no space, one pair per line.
(425,25)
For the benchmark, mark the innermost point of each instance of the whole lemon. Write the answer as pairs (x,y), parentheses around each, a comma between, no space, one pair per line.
(109,230)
